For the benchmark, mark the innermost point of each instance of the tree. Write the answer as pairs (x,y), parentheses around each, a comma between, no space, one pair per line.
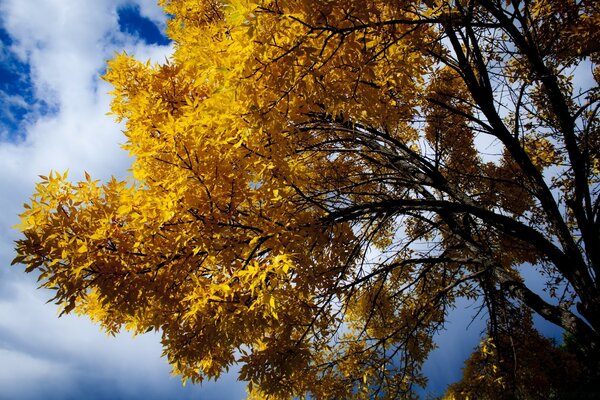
(520,365)
(312,187)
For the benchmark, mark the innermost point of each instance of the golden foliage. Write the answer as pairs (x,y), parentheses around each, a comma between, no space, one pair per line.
(308,197)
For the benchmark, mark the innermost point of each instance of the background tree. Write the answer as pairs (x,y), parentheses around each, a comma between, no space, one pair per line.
(521,365)
(312,190)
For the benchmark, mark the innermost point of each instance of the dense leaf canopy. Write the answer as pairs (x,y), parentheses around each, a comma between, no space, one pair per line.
(316,182)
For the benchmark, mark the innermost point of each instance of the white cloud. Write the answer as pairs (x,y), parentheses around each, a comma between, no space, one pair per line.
(28,370)
(66,44)
(45,354)
(153,12)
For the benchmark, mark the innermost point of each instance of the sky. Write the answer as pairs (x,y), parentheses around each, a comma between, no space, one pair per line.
(53,108)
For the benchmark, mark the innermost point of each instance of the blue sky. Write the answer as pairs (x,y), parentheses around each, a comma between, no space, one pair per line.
(52,116)
(17,100)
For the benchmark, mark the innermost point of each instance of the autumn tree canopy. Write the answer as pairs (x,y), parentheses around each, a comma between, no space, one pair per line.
(315,183)
(521,364)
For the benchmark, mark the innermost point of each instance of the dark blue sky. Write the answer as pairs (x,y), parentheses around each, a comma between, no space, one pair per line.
(18,102)
(134,24)
(16,91)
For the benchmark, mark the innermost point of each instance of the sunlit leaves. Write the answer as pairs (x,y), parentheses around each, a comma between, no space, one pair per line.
(314,184)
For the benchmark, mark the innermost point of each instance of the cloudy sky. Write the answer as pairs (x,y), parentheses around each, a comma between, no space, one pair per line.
(53,117)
